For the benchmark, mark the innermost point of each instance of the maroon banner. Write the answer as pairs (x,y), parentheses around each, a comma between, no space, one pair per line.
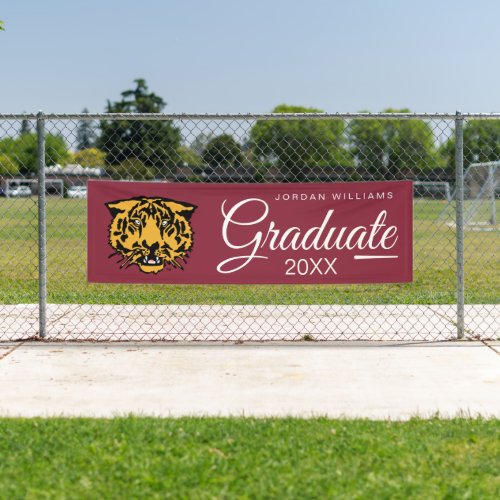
(151,232)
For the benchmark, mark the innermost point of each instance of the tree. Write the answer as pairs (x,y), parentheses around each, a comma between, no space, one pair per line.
(189,157)
(200,142)
(369,145)
(23,150)
(91,157)
(7,165)
(86,134)
(223,153)
(481,143)
(153,143)
(392,149)
(296,147)
(2,26)
(131,169)
(25,127)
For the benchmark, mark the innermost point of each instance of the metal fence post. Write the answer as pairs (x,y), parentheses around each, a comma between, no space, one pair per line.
(459,199)
(42,228)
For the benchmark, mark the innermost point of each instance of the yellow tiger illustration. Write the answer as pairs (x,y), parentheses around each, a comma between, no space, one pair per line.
(151,232)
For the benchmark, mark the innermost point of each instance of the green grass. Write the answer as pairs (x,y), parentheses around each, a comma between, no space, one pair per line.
(249,458)
(434,267)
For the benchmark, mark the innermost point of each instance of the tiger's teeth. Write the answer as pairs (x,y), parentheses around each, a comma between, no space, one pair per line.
(154,261)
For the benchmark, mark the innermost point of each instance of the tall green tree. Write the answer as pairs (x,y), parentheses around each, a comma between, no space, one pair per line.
(223,152)
(481,143)
(90,157)
(189,157)
(296,147)
(131,169)
(7,165)
(86,134)
(23,150)
(153,143)
(393,149)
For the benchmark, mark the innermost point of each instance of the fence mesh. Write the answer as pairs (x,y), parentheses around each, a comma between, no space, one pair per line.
(249,149)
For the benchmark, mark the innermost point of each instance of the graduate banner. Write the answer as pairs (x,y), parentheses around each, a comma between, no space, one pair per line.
(152,232)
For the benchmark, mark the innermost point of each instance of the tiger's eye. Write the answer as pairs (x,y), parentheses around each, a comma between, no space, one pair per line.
(164,223)
(137,222)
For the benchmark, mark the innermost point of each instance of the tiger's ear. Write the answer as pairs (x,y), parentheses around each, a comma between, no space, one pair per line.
(184,209)
(119,207)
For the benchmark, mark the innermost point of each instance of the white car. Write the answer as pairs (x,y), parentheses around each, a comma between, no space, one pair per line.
(77,192)
(24,191)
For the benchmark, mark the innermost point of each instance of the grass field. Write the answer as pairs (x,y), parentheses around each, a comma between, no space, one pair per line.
(434,267)
(249,458)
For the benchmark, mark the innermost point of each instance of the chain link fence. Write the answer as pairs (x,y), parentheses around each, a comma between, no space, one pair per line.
(46,161)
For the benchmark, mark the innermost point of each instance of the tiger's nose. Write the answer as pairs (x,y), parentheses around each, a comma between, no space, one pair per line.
(151,247)
(151,236)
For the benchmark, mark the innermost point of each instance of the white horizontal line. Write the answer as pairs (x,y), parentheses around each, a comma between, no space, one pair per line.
(365,257)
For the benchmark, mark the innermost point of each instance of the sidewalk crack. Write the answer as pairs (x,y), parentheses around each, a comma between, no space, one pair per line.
(10,351)
(493,348)
(468,331)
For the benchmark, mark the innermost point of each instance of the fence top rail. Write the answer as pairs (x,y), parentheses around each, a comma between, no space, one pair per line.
(248,116)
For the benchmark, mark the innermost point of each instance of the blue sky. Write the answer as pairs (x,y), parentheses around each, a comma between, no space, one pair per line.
(249,56)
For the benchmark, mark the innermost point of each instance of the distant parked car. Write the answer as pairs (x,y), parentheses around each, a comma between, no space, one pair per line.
(19,191)
(77,192)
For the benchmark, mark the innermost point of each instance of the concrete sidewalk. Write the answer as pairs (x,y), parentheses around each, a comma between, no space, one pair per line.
(394,381)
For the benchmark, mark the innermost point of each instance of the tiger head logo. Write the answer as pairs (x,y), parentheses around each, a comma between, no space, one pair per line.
(152,233)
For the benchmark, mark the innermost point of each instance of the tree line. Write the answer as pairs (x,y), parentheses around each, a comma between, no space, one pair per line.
(296,150)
